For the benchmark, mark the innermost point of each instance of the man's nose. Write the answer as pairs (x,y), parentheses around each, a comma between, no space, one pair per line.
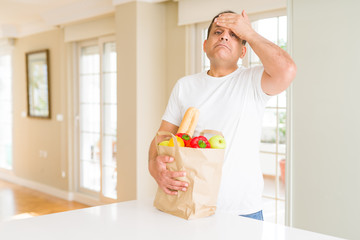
(225,37)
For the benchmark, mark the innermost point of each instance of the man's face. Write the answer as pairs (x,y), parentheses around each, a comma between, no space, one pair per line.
(223,45)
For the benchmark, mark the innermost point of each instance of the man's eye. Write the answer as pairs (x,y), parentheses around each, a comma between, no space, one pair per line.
(217,32)
(234,35)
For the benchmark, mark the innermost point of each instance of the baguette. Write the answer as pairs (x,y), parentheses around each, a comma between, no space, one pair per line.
(189,121)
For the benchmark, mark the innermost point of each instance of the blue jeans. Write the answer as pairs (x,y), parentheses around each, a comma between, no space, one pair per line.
(258,215)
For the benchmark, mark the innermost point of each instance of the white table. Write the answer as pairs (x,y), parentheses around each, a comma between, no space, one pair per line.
(140,220)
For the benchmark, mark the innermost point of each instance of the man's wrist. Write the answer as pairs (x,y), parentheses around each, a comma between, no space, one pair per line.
(250,36)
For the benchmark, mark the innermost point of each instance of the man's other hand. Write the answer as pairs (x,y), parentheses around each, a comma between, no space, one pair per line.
(167,180)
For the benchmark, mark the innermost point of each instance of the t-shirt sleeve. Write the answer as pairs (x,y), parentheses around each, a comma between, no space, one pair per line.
(172,113)
(257,73)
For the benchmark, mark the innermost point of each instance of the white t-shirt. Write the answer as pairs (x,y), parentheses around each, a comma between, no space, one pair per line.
(234,105)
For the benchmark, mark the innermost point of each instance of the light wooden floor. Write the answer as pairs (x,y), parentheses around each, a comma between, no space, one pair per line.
(18,202)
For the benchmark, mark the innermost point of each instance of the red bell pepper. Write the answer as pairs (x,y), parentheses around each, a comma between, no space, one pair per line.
(186,137)
(199,142)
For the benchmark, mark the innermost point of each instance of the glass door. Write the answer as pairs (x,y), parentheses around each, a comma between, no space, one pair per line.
(6,112)
(97,119)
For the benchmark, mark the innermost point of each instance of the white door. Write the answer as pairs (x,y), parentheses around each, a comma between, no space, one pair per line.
(97,119)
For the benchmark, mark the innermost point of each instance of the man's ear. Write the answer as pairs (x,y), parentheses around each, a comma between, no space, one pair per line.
(204,45)
(243,52)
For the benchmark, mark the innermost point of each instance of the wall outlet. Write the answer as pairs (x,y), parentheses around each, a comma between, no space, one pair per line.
(43,154)
(59,117)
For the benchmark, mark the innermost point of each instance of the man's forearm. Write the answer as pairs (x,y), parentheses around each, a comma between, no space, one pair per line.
(152,151)
(276,61)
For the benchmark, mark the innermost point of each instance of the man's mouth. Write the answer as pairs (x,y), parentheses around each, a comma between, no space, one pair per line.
(222,45)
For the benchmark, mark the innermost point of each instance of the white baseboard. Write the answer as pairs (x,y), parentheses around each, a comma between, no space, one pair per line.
(69,196)
(36,186)
(84,199)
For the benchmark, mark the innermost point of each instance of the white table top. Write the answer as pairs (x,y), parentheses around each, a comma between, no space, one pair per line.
(140,220)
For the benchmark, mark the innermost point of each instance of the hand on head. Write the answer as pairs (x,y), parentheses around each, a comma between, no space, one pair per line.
(239,24)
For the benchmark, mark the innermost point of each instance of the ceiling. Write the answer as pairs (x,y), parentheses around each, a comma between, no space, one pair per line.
(19,18)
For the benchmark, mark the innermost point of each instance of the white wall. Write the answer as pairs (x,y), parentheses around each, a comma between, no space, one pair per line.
(195,11)
(142,98)
(90,29)
(326,116)
(151,87)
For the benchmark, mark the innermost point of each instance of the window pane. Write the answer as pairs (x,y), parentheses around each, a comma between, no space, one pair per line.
(281,212)
(109,181)
(282,99)
(90,147)
(109,64)
(283,32)
(268,163)
(90,175)
(89,88)
(5,88)
(110,119)
(109,151)
(269,210)
(282,131)
(272,102)
(2,155)
(90,118)
(281,173)
(239,63)
(90,60)
(90,159)
(110,88)
(254,59)
(268,28)
(6,156)
(205,64)
(6,134)
(5,113)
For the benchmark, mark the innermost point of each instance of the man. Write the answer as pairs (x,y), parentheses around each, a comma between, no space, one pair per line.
(231,100)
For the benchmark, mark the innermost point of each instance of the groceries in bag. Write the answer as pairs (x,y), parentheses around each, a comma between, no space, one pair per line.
(203,167)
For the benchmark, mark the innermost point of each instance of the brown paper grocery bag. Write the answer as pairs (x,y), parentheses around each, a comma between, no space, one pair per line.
(203,167)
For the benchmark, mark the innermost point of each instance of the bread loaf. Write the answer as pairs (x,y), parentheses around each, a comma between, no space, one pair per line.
(189,121)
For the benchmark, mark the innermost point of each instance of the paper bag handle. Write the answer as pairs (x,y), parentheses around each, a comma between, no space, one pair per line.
(165,133)
(214,132)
